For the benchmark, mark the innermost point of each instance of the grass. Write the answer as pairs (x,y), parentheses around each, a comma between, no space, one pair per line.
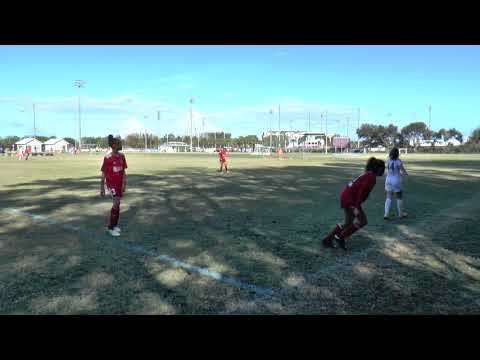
(260,224)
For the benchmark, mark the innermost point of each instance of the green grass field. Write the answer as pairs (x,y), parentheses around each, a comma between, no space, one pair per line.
(260,224)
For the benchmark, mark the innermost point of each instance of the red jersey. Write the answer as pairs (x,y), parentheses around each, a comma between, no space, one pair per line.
(113,168)
(357,190)
(222,154)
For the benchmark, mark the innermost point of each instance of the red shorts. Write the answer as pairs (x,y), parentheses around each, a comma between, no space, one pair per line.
(114,191)
(346,200)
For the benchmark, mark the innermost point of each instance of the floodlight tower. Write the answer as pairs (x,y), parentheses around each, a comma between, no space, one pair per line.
(79,84)
(34,125)
(326,131)
(429,117)
(191,123)
(358,127)
(271,113)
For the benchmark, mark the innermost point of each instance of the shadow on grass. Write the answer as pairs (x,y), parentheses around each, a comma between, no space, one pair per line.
(261,226)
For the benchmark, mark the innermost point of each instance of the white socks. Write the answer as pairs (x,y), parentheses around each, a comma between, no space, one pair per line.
(399,207)
(388,202)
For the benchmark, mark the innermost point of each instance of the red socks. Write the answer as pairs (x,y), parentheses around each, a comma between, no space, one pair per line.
(349,230)
(335,231)
(114,215)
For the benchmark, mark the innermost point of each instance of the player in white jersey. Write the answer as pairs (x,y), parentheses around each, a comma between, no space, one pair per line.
(393,183)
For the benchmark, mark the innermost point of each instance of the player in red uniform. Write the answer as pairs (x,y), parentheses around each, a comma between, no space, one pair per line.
(222,153)
(114,180)
(351,199)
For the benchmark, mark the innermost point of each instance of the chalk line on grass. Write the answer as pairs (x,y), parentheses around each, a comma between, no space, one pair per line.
(263,291)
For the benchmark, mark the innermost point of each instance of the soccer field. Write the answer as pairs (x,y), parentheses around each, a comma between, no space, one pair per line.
(248,242)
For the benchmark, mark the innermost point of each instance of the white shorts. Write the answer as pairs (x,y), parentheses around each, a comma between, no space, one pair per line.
(393,184)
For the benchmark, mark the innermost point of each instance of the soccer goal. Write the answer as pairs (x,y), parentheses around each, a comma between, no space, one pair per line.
(403,150)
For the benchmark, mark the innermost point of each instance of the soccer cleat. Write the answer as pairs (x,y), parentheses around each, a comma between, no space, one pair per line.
(113,232)
(403,215)
(328,243)
(116,228)
(386,217)
(340,242)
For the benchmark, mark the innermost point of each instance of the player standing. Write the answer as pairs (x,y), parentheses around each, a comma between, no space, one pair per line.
(393,183)
(114,180)
(222,153)
(351,199)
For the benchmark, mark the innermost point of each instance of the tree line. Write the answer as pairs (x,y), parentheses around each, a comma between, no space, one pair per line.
(139,140)
(410,136)
(370,135)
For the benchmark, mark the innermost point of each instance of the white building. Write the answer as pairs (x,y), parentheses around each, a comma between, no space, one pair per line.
(56,145)
(174,146)
(453,142)
(296,139)
(439,142)
(32,144)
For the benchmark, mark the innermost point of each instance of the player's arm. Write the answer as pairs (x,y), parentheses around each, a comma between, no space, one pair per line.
(403,170)
(124,183)
(102,185)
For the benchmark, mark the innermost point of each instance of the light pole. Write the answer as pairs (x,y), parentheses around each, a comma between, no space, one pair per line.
(279,125)
(34,125)
(79,84)
(326,131)
(145,118)
(271,113)
(191,124)
(429,117)
(358,127)
(159,118)
(203,131)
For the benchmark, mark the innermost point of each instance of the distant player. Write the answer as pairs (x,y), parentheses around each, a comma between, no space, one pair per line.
(393,183)
(351,199)
(222,153)
(27,152)
(114,181)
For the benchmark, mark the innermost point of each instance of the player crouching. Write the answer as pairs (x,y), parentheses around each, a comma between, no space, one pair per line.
(114,181)
(351,199)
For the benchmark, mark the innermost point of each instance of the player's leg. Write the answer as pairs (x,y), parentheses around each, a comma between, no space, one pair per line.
(117,205)
(114,214)
(351,228)
(399,196)
(388,203)
(225,164)
(338,228)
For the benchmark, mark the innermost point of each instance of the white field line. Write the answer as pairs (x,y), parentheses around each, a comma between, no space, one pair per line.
(156,256)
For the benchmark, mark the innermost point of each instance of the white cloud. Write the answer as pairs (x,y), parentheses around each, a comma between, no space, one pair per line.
(133,125)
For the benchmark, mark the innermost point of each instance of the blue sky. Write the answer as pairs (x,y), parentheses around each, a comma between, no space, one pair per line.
(235,87)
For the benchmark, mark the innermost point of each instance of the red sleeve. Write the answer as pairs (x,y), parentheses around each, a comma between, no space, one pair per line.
(365,190)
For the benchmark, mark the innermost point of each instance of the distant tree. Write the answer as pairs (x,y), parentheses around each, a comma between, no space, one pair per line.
(475,137)
(378,135)
(42,138)
(455,134)
(415,132)
(70,140)
(8,141)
